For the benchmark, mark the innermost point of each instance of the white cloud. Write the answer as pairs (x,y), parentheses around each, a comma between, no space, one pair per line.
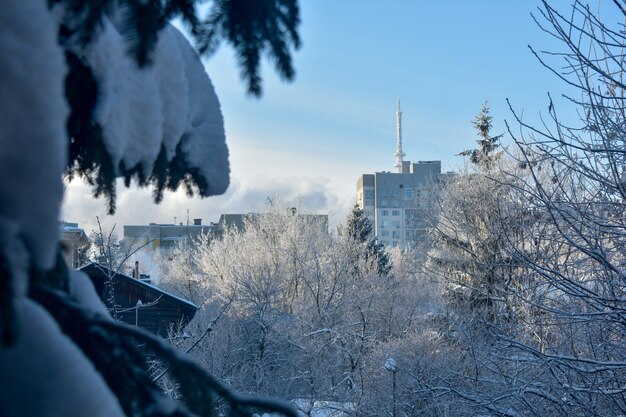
(136,206)
(303,173)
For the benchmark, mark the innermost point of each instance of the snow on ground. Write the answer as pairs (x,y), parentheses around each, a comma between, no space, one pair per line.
(311,408)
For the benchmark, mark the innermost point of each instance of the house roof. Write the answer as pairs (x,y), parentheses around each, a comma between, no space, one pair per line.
(164,294)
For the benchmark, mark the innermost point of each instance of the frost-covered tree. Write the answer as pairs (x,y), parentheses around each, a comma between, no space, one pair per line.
(478,219)
(303,308)
(566,355)
(359,229)
(179,271)
(103,89)
(579,295)
(486,154)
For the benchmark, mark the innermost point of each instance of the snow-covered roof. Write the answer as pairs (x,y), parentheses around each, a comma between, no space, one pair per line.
(139,283)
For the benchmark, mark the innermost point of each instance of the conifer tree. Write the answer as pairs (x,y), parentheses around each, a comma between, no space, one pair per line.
(475,225)
(360,229)
(485,155)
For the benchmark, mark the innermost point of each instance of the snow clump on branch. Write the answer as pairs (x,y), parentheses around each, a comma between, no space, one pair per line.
(41,363)
(33,142)
(169,105)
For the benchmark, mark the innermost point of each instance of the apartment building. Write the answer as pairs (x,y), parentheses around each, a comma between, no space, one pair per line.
(155,236)
(395,201)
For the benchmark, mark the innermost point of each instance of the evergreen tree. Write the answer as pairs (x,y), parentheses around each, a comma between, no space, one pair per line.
(485,155)
(477,221)
(360,229)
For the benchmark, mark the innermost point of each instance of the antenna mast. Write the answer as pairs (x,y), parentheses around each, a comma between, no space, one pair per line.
(399,153)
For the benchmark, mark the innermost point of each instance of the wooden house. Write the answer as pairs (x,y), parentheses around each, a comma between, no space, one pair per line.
(135,302)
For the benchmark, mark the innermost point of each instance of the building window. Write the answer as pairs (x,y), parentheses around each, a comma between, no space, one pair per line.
(395,203)
(396,223)
(369,193)
(395,234)
(384,203)
(395,193)
(385,233)
(385,213)
(369,202)
(395,212)
(408,193)
(385,223)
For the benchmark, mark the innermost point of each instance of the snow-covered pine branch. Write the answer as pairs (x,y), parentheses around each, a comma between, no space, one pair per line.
(103,89)
(160,124)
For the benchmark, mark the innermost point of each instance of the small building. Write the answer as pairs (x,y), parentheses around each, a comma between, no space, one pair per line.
(155,236)
(136,302)
(75,242)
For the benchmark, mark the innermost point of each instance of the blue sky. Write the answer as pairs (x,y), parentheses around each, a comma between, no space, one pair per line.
(312,138)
